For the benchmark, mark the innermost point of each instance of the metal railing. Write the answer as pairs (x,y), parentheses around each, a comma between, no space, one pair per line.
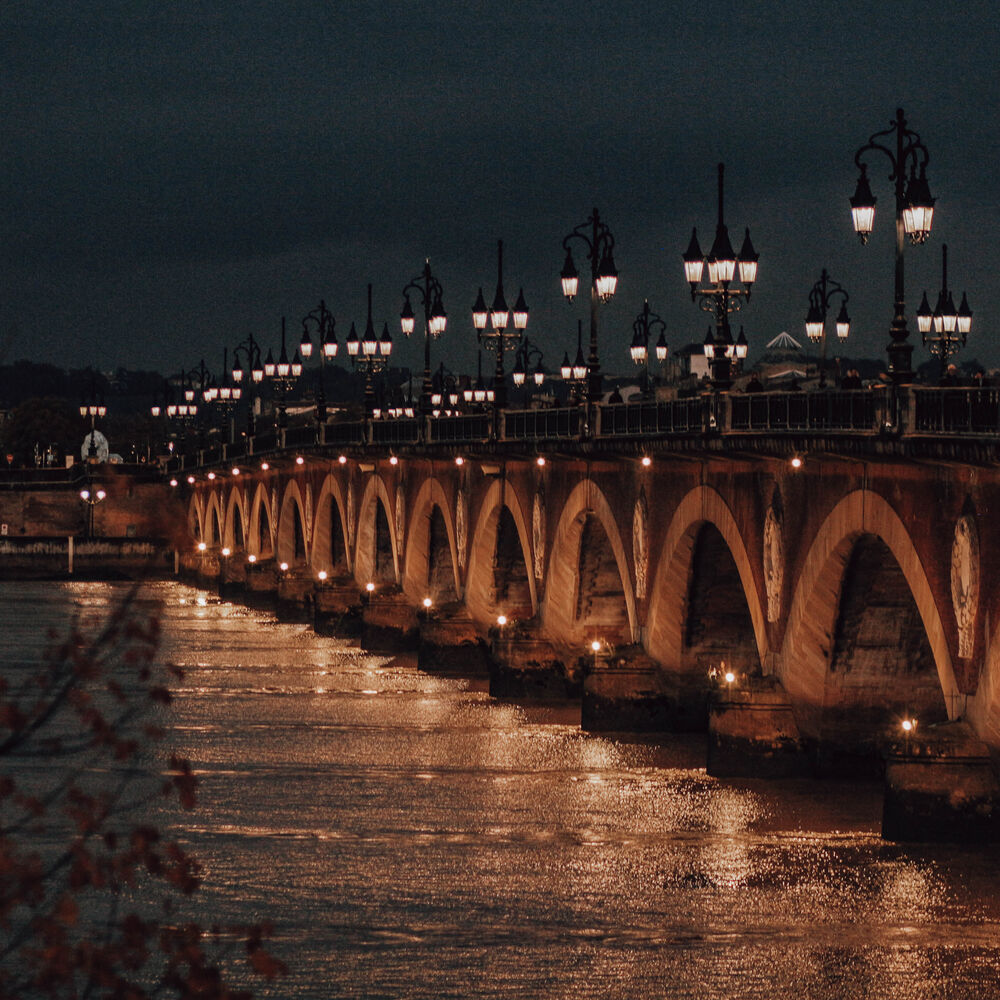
(905,412)
(956,411)
(562,423)
(847,410)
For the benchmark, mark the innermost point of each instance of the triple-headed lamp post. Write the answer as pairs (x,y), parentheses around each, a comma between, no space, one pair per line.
(370,353)
(249,349)
(429,290)
(719,296)
(821,297)
(499,337)
(945,330)
(914,212)
(600,244)
(321,322)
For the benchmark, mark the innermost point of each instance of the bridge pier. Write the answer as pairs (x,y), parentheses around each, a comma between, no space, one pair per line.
(628,691)
(388,622)
(337,607)
(752,732)
(450,643)
(941,786)
(232,577)
(523,664)
(261,582)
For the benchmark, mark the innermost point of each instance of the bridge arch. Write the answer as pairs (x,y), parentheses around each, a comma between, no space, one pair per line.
(213,521)
(500,524)
(260,540)
(703,508)
(431,564)
(376,556)
(292,527)
(862,518)
(234,532)
(330,551)
(586,555)
(195,517)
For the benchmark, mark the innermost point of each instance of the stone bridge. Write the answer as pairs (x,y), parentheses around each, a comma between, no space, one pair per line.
(809,604)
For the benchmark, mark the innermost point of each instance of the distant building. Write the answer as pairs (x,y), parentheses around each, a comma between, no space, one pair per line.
(693,361)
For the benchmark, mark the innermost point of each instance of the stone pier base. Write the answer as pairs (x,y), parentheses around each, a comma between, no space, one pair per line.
(523,665)
(451,644)
(630,692)
(208,567)
(233,578)
(941,786)
(752,733)
(337,608)
(261,583)
(389,623)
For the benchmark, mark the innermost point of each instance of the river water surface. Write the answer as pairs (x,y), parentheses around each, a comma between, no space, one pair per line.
(410,837)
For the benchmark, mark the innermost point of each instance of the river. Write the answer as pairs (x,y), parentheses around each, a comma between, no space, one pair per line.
(409,836)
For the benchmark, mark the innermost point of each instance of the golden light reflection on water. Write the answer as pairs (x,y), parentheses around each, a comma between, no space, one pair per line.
(411,837)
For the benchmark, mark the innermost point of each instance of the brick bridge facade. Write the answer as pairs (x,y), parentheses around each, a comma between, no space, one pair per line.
(864,588)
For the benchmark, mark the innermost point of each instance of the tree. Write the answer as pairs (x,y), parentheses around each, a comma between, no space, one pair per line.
(92,895)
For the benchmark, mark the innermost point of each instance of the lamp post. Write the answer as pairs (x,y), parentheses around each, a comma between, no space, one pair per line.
(821,297)
(600,244)
(369,353)
(249,351)
(227,395)
(91,497)
(320,321)
(914,212)
(283,373)
(945,330)
(428,288)
(498,337)
(92,407)
(643,327)
(718,296)
(528,360)
(575,374)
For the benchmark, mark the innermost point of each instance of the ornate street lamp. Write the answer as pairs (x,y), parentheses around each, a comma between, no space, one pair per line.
(369,353)
(320,322)
(576,373)
(719,297)
(821,297)
(249,351)
(914,212)
(643,327)
(528,359)
(283,373)
(93,406)
(498,336)
(428,288)
(600,244)
(945,330)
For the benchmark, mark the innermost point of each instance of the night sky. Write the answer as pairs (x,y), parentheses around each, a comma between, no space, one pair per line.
(177,175)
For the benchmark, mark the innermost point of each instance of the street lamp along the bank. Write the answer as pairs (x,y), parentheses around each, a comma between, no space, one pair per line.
(249,349)
(719,296)
(498,335)
(944,331)
(428,288)
(600,244)
(821,297)
(914,213)
(283,373)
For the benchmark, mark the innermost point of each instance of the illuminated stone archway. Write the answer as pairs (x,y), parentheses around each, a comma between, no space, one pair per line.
(235,531)
(376,557)
(292,542)
(330,551)
(431,554)
(588,584)
(669,609)
(480,578)
(811,634)
(195,517)
(260,538)
(213,521)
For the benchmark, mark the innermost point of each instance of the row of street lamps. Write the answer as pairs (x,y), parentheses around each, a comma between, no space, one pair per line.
(720,281)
